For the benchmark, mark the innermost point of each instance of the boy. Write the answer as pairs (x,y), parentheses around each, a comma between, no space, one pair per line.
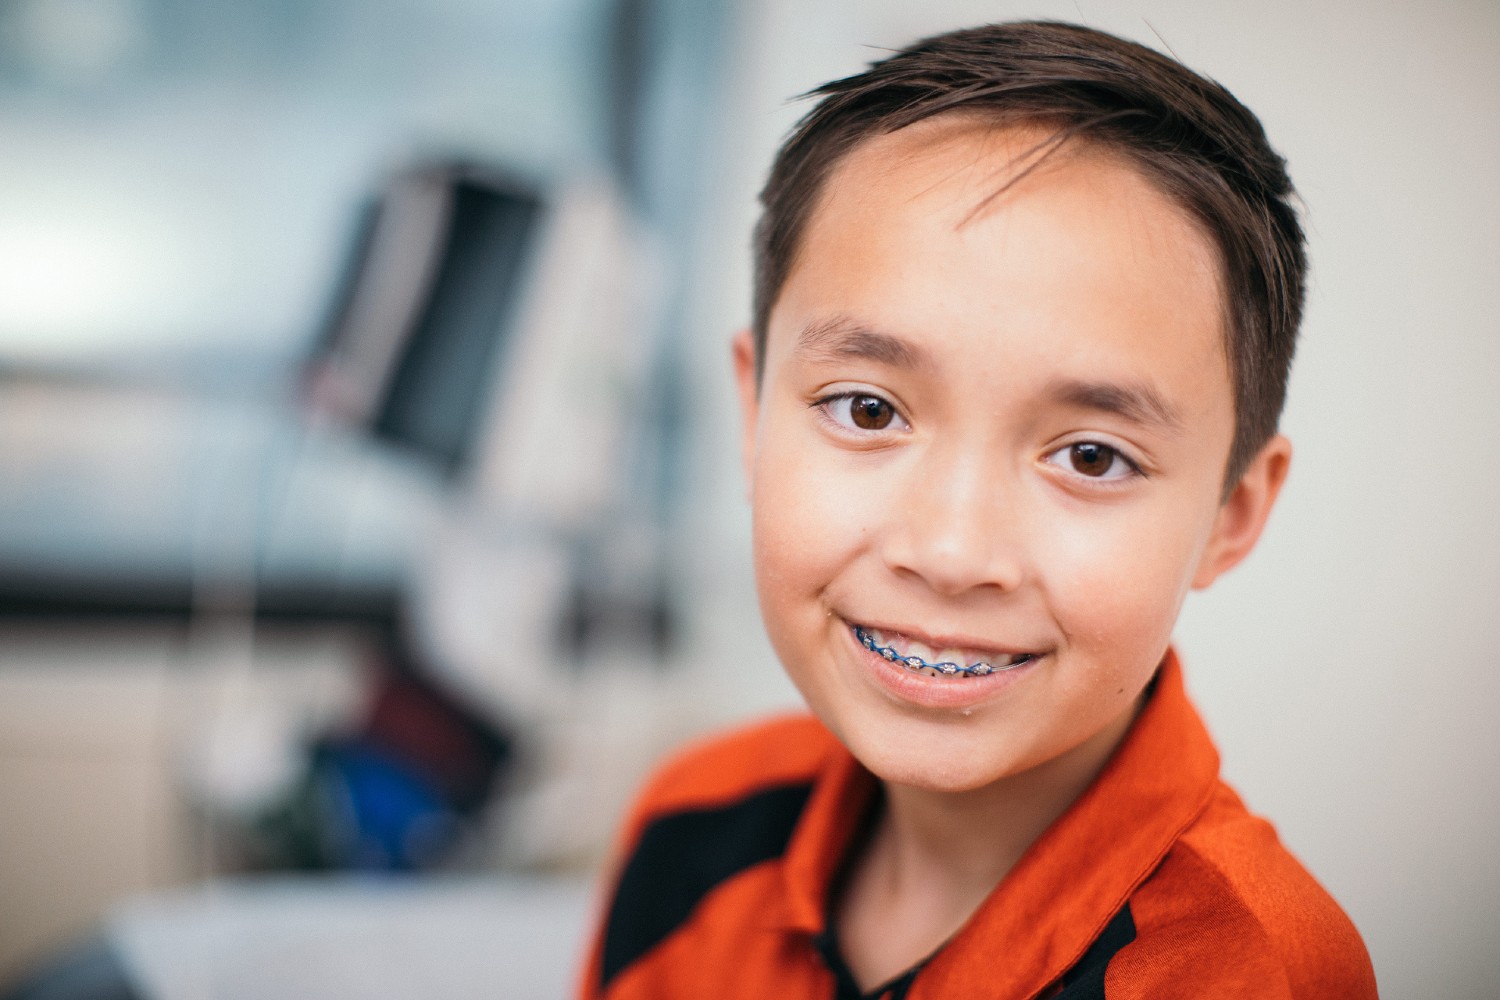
(1026,298)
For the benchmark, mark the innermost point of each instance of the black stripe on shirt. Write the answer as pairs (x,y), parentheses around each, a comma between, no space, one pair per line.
(682,857)
(1085,981)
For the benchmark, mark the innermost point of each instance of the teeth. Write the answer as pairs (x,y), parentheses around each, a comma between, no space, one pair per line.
(921,658)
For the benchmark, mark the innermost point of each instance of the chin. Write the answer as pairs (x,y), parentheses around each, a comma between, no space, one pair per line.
(952,756)
(945,780)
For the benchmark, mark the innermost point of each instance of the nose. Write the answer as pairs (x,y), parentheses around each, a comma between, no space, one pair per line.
(957,525)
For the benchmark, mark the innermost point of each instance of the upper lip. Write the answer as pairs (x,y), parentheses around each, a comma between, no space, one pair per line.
(945,641)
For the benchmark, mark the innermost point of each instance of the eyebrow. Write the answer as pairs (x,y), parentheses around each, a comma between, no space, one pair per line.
(842,339)
(1138,402)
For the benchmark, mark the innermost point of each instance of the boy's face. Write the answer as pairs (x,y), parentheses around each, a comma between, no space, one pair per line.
(990,437)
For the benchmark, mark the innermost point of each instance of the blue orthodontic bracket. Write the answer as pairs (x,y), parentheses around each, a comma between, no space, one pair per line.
(917,663)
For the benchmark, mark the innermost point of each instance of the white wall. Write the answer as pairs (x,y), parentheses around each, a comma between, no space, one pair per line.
(1346,668)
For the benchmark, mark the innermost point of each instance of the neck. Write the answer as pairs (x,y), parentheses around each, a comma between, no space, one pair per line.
(973,838)
(933,856)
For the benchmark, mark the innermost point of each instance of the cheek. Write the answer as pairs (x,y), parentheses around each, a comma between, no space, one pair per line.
(811,516)
(1117,583)
(795,528)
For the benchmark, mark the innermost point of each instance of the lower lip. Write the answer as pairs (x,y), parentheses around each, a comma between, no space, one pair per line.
(937,692)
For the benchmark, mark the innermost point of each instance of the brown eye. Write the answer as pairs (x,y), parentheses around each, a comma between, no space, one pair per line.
(1100,463)
(1089,458)
(869,417)
(870,413)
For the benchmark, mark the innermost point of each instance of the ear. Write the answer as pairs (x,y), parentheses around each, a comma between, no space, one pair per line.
(1243,515)
(745,379)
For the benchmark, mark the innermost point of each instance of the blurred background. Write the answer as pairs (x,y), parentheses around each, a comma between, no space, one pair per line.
(370,509)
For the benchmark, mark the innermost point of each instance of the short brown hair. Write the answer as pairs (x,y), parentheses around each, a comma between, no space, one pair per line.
(1186,133)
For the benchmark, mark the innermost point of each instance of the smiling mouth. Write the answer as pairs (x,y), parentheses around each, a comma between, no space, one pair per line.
(958,665)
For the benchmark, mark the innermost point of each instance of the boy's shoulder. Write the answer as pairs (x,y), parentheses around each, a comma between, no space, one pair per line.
(691,877)
(734,764)
(1229,897)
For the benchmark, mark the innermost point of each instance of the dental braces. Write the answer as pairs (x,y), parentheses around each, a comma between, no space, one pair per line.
(948,667)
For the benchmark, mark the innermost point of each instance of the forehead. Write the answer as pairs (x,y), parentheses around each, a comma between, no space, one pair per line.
(956,225)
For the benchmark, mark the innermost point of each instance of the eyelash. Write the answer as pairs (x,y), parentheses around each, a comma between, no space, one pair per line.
(825,404)
(1133,468)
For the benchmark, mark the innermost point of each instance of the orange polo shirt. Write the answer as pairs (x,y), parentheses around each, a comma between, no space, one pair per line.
(1156,882)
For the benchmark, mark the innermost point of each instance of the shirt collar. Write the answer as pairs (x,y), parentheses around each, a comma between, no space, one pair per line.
(840,800)
(1071,881)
